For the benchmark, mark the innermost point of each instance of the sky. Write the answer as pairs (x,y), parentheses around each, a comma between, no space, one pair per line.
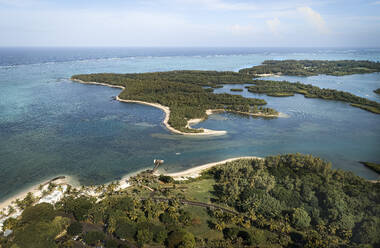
(190,23)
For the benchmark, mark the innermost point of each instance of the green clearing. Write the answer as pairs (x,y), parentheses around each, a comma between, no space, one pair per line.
(199,190)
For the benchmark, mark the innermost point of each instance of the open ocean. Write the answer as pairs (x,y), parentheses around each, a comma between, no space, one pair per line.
(52,126)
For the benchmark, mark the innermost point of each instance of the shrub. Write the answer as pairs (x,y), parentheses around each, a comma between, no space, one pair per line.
(112,243)
(43,212)
(160,236)
(166,179)
(75,228)
(230,233)
(93,237)
(143,236)
(181,239)
(125,229)
(300,218)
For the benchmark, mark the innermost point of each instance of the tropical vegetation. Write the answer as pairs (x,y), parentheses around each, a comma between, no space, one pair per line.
(372,166)
(313,67)
(184,93)
(285,88)
(289,200)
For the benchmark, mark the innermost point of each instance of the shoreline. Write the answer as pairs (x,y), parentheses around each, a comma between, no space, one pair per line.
(65,180)
(61,179)
(166,111)
(197,170)
(206,132)
(268,75)
(123,183)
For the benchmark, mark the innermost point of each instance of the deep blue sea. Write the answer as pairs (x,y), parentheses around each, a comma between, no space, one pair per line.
(51,126)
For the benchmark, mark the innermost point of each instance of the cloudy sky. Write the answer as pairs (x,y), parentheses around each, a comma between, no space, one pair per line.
(232,23)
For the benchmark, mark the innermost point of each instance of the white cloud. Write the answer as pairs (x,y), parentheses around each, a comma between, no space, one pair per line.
(241,29)
(273,25)
(376,3)
(19,3)
(93,28)
(314,18)
(222,5)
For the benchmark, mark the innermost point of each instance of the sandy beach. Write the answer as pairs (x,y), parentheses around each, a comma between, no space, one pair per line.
(53,196)
(34,189)
(268,75)
(56,194)
(195,171)
(167,113)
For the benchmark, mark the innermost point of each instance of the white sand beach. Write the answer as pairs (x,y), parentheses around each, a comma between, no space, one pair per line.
(36,191)
(196,171)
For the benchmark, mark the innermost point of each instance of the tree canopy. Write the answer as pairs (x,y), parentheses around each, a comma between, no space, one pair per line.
(313,67)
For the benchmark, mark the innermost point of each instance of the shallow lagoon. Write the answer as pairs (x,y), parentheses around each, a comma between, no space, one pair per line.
(50,125)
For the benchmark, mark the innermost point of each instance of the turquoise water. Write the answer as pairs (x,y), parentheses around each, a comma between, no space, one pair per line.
(50,125)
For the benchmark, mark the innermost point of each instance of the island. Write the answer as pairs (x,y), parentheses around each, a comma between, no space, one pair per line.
(312,67)
(187,97)
(183,95)
(285,88)
(377,91)
(236,90)
(290,200)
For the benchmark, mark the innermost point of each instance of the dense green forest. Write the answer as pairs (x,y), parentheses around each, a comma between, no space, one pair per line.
(189,94)
(313,67)
(184,93)
(283,201)
(285,88)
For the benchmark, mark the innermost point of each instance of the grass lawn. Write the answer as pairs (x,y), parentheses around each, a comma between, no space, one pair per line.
(199,190)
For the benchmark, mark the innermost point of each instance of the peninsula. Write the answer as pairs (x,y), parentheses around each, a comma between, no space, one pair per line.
(373,166)
(182,95)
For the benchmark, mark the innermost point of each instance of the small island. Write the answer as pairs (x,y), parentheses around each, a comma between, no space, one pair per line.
(312,67)
(236,90)
(183,95)
(288,200)
(377,91)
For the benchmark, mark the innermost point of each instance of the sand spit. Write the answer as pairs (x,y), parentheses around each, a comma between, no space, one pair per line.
(196,171)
